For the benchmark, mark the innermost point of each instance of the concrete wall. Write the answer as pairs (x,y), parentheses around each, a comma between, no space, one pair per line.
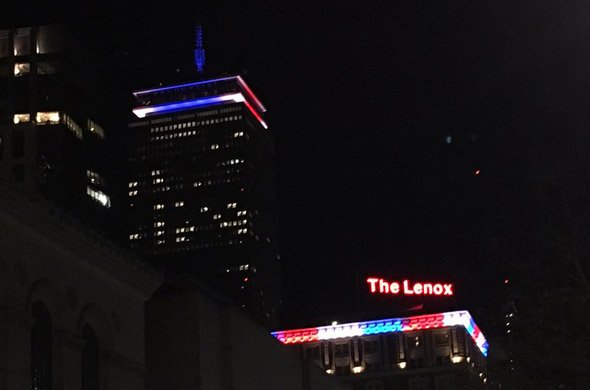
(197,340)
(82,279)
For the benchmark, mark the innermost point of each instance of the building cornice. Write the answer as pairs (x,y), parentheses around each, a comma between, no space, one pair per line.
(52,224)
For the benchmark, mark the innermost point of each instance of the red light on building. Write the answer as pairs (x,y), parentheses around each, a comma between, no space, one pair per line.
(381,286)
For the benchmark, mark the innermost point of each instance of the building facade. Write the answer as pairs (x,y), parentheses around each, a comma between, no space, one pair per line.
(429,352)
(198,339)
(71,303)
(202,192)
(51,139)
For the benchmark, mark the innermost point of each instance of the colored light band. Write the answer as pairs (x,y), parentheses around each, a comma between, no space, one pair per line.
(250,93)
(144,91)
(239,79)
(141,112)
(258,117)
(391,325)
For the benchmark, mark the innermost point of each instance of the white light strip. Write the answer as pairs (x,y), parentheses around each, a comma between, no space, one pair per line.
(141,112)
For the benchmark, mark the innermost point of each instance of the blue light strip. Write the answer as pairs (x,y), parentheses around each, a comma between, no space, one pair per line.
(408,324)
(136,93)
(238,79)
(141,112)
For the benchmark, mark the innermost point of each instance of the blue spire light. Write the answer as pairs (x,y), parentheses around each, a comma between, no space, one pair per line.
(199,50)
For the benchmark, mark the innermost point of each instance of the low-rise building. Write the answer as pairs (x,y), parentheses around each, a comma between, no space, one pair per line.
(427,352)
(197,339)
(71,302)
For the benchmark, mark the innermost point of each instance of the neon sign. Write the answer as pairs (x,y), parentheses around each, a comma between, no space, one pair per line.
(381,286)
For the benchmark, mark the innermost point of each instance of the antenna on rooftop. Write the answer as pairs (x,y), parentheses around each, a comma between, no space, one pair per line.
(199,50)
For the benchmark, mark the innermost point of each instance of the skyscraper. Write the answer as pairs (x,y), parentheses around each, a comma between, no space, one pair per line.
(202,188)
(50,136)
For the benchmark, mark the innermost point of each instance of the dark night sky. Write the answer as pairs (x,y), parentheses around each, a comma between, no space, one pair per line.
(361,96)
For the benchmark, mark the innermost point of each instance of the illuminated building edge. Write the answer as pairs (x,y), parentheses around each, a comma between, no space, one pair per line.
(239,79)
(142,112)
(391,325)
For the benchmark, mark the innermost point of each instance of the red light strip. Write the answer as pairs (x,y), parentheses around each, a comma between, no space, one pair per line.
(256,115)
(407,324)
(250,93)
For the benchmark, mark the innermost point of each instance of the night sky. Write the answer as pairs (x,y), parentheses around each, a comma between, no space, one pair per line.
(382,113)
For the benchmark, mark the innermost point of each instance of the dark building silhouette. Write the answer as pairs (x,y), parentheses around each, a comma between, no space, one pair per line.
(51,137)
(72,301)
(202,188)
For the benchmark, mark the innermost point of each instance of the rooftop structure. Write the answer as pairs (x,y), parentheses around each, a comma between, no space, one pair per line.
(446,349)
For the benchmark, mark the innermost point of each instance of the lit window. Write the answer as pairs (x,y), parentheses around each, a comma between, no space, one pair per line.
(242,212)
(49,40)
(95,128)
(216,216)
(72,125)
(204,209)
(22,41)
(158,206)
(21,68)
(158,180)
(197,184)
(21,118)
(133,193)
(232,205)
(159,233)
(238,134)
(132,184)
(50,117)
(214,146)
(4,49)
(179,204)
(159,223)
(99,196)
(94,177)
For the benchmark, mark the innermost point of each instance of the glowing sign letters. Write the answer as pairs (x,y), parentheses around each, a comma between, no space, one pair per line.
(381,286)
